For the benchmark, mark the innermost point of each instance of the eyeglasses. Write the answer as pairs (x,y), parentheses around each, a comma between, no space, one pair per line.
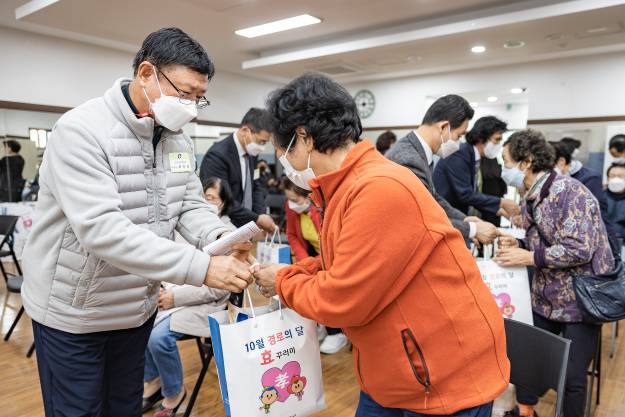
(200,103)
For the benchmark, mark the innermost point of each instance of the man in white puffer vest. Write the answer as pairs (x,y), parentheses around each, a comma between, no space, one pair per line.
(117,179)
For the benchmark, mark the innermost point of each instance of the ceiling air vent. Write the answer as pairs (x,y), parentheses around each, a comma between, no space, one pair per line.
(339,69)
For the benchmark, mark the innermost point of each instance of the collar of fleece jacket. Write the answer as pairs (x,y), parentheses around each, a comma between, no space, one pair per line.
(324,186)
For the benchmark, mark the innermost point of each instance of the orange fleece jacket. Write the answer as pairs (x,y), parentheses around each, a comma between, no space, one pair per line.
(398,278)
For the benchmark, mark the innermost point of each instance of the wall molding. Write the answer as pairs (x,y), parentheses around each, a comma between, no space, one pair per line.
(14,105)
(570,120)
(596,119)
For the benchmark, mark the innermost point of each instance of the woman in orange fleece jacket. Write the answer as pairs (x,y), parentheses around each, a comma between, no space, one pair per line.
(393,273)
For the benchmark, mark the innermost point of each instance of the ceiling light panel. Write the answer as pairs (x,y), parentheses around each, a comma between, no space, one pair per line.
(278,26)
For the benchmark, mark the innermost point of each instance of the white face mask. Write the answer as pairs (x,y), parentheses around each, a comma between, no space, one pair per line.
(575,154)
(514,177)
(254,149)
(616,185)
(448,147)
(619,160)
(169,111)
(575,167)
(560,172)
(491,150)
(299,178)
(299,208)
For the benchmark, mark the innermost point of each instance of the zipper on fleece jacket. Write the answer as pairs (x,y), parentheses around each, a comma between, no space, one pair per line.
(362,378)
(323,211)
(408,336)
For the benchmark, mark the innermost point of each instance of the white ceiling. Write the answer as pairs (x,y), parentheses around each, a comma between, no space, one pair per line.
(357,39)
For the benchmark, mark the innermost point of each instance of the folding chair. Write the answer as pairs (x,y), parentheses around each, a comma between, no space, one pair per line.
(13,282)
(205,347)
(538,360)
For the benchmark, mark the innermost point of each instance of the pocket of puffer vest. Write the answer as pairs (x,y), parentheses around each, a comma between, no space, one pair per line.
(84,281)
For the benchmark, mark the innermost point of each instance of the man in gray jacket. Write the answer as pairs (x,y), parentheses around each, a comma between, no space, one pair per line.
(117,179)
(443,125)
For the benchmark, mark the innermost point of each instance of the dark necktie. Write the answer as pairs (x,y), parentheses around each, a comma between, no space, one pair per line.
(247,190)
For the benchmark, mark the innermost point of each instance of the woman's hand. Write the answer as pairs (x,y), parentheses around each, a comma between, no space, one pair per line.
(506,241)
(165,300)
(265,278)
(514,257)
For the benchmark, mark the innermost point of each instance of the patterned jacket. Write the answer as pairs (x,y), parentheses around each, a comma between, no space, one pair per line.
(574,242)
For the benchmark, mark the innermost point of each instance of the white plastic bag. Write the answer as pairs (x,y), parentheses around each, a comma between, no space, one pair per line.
(268,365)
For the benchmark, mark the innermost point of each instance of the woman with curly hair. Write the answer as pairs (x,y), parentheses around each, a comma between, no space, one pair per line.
(565,238)
(393,272)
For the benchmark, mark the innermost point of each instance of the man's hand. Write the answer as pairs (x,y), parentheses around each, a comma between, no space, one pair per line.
(510,207)
(266,223)
(266,279)
(472,219)
(486,232)
(228,273)
(514,257)
(165,300)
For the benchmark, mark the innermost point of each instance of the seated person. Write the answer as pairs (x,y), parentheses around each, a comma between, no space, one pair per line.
(616,198)
(183,310)
(458,178)
(303,226)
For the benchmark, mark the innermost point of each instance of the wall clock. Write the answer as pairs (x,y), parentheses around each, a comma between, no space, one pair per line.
(365,102)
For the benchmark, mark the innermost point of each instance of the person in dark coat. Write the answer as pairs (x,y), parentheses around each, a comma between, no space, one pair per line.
(567,165)
(11,168)
(458,178)
(492,184)
(234,160)
(615,198)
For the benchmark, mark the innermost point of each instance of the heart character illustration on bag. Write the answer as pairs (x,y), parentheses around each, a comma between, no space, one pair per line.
(504,302)
(297,385)
(279,384)
(268,397)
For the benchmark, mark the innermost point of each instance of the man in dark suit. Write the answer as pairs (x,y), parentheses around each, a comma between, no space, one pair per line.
(458,178)
(443,125)
(567,164)
(234,160)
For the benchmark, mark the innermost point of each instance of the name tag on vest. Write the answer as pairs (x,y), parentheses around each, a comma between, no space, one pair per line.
(179,162)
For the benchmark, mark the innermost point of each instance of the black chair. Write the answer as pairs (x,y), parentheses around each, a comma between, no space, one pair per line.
(594,372)
(613,336)
(538,360)
(13,282)
(205,347)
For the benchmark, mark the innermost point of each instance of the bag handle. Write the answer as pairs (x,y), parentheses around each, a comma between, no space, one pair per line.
(276,232)
(249,300)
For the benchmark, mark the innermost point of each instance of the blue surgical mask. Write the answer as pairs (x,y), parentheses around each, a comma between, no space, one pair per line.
(514,177)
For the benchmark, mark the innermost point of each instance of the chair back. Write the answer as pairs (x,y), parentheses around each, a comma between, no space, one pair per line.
(7,227)
(538,360)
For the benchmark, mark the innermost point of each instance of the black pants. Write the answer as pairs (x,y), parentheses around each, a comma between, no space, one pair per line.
(332,331)
(94,374)
(583,339)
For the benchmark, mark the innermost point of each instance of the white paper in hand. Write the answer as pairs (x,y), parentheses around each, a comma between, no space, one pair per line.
(224,245)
